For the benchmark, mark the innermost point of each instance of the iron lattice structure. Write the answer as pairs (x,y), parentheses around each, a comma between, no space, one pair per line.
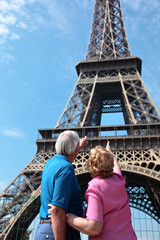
(109,81)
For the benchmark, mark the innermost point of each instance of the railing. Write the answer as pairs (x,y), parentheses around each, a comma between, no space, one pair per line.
(104,131)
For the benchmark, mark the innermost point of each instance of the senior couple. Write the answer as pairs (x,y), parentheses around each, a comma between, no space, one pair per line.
(108,216)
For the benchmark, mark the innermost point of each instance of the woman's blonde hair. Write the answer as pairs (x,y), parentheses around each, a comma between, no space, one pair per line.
(101,162)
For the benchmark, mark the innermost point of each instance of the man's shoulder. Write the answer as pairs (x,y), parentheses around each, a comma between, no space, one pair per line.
(58,158)
(60,161)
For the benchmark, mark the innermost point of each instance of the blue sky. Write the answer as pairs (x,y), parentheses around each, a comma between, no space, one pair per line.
(41,41)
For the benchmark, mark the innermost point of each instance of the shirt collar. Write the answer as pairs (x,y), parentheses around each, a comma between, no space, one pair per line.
(63,157)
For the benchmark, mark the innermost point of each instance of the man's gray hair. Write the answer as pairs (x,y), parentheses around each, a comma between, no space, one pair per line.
(67,142)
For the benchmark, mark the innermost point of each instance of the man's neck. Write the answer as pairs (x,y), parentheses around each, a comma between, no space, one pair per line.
(70,157)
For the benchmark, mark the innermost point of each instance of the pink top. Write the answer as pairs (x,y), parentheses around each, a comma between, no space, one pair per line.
(108,202)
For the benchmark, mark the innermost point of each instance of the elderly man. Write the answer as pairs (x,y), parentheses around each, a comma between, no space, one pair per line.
(60,189)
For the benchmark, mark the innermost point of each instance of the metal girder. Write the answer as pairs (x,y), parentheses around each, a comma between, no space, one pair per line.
(108,36)
(109,80)
(139,157)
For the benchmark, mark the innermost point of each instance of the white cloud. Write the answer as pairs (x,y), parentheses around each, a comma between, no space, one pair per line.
(142,6)
(6,57)
(14,36)
(3,185)
(83,3)
(59,16)
(9,18)
(3,30)
(22,25)
(12,5)
(12,132)
(17,16)
(10,11)
(142,16)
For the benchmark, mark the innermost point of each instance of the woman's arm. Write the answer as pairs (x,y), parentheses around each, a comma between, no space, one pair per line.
(116,164)
(89,227)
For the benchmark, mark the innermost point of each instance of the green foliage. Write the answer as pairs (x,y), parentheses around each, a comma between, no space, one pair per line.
(26,235)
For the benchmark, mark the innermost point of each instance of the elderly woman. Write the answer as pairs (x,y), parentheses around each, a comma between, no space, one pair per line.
(108,215)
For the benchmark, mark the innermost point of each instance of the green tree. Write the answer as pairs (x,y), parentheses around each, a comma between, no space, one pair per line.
(26,235)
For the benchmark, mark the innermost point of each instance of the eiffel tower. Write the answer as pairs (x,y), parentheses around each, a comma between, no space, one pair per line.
(109,81)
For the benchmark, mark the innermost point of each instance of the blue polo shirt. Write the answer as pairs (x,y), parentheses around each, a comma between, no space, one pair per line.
(59,187)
